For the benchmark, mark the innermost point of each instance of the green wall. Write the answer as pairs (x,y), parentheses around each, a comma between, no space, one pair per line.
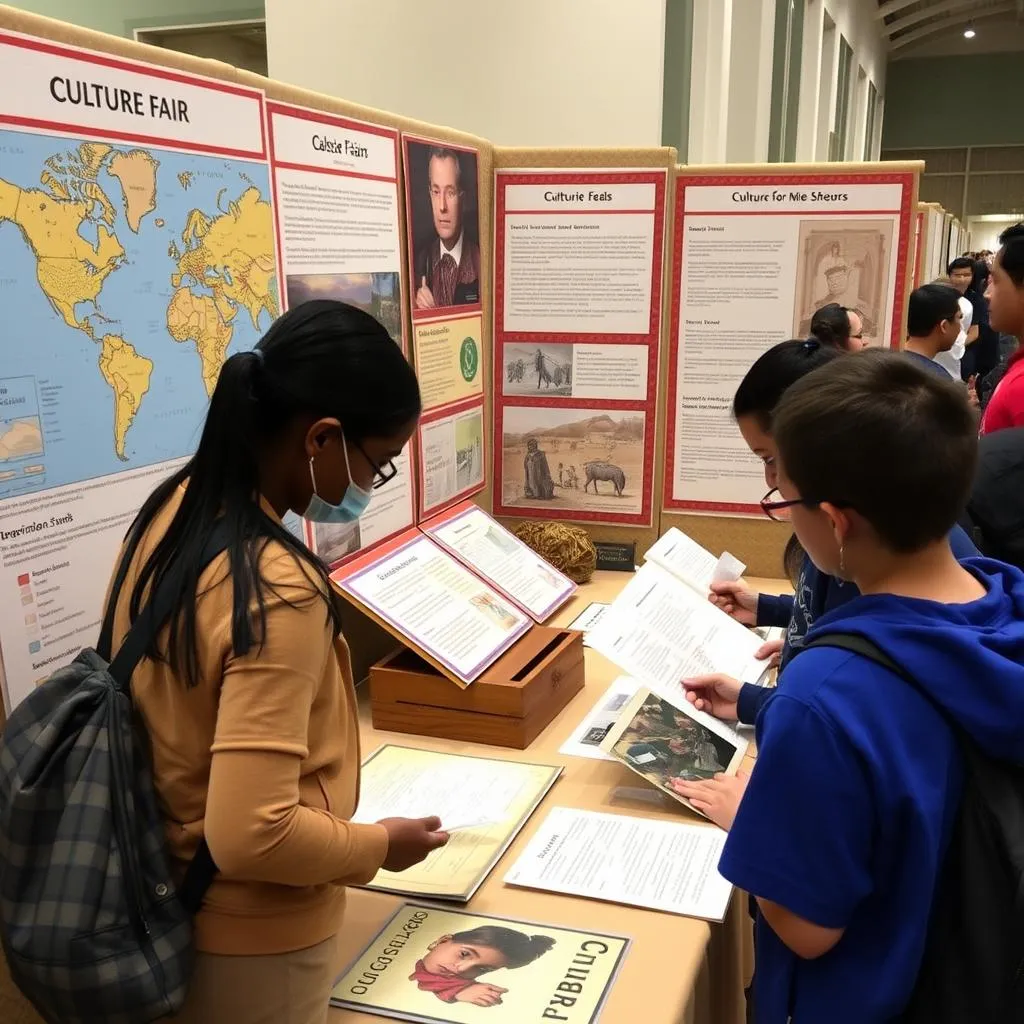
(122,17)
(974,100)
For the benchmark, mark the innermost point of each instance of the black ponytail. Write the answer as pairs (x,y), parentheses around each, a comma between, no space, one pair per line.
(775,370)
(831,325)
(321,359)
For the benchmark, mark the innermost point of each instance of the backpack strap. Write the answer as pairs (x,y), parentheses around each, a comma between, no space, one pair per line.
(855,643)
(157,610)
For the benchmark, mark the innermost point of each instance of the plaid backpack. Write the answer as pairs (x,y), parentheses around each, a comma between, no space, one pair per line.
(93,926)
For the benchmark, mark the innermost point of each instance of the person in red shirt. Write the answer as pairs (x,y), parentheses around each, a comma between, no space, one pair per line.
(1006,314)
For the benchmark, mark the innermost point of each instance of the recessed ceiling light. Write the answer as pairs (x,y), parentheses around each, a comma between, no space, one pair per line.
(969,32)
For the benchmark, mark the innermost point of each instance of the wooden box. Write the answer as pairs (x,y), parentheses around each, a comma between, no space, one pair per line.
(509,705)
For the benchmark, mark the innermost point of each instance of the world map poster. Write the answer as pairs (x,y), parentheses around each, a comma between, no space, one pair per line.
(136,254)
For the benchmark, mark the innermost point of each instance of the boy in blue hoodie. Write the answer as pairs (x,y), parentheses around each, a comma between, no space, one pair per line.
(842,828)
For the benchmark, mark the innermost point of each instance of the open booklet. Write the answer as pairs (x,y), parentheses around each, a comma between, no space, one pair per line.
(482,802)
(460,590)
(662,628)
(665,741)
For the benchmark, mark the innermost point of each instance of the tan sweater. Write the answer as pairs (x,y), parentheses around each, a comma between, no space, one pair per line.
(262,756)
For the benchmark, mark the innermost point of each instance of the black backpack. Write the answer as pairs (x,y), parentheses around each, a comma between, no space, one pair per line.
(973,966)
(93,926)
(994,517)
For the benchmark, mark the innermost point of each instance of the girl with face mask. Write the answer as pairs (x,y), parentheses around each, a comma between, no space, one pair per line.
(247,696)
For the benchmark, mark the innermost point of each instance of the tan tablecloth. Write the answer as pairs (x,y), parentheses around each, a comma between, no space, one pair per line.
(678,969)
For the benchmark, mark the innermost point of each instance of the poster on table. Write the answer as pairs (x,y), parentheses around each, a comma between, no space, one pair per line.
(433,965)
(136,254)
(443,240)
(755,256)
(577,315)
(335,185)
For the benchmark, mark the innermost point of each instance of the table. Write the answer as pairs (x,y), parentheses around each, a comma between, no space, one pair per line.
(678,970)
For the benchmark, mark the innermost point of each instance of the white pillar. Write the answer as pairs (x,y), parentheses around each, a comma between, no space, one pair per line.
(810,82)
(750,80)
(709,81)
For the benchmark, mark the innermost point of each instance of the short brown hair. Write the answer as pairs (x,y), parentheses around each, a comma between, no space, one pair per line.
(875,433)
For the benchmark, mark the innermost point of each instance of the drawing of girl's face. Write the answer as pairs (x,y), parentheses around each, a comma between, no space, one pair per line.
(452,959)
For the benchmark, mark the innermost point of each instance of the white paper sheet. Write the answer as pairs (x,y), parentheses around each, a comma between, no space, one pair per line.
(586,738)
(694,565)
(661,865)
(661,632)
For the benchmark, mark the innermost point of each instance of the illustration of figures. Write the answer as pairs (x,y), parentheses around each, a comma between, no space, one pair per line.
(538,482)
(454,962)
(572,480)
(542,370)
(607,472)
(561,475)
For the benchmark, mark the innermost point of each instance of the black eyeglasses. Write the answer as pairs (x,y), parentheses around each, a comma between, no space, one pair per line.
(381,474)
(774,507)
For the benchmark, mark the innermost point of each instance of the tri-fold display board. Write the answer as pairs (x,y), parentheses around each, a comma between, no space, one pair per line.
(158,212)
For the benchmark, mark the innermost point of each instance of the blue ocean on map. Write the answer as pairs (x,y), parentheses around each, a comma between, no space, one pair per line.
(94,380)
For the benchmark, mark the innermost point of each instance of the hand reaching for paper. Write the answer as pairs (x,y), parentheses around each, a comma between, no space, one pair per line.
(716,694)
(770,652)
(718,798)
(481,994)
(736,599)
(410,840)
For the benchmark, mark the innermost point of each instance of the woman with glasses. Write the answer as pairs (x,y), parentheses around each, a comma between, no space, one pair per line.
(815,592)
(247,697)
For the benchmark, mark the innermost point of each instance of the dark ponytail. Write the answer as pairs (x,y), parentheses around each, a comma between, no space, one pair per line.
(321,359)
(762,389)
(831,325)
(775,370)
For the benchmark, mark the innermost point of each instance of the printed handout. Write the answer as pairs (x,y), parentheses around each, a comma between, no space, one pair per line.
(661,865)
(668,742)
(587,737)
(433,965)
(661,631)
(483,802)
(684,557)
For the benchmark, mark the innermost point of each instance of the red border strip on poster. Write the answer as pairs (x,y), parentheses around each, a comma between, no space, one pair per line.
(919,247)
(446,412)
(650,340)
(683,181)
(85,56)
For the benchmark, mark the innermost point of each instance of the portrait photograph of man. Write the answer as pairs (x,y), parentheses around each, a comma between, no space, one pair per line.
(445,226)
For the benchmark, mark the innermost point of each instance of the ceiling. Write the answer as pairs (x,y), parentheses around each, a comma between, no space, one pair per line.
(916,28)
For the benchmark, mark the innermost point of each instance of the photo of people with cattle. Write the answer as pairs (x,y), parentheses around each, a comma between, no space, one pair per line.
(537,369)
(587,460)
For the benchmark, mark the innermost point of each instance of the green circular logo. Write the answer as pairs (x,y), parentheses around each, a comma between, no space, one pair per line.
(469,359)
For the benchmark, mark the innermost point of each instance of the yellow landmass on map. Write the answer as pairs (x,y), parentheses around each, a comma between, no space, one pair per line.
(21,439)
(185,179)
(233,255)
(90,158)
(159,222)
(54,186)
(128,375)
(197,318)
(137,173)
(69,269)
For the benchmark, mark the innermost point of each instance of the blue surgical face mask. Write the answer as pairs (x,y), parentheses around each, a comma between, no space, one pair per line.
(352,506)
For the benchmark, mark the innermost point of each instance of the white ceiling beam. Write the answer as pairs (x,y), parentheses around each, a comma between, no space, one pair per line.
(952,22)
(906,20)
(892,7)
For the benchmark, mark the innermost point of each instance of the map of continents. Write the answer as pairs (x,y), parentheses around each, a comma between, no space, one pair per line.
(127,276)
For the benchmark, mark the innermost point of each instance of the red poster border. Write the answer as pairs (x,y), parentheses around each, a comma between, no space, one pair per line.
(651,341)
(683,181)
(87,56)
(441,413)
(450,311)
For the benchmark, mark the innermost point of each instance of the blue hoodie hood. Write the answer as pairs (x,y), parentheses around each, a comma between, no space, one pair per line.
(969,658)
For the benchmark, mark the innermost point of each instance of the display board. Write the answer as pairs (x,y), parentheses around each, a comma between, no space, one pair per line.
(930,244)
(579,314)
(756,252)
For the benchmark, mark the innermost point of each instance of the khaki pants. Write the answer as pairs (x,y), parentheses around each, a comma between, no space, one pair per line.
(285,988)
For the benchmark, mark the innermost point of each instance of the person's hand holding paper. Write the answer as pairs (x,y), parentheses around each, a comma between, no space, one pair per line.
(410,840)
